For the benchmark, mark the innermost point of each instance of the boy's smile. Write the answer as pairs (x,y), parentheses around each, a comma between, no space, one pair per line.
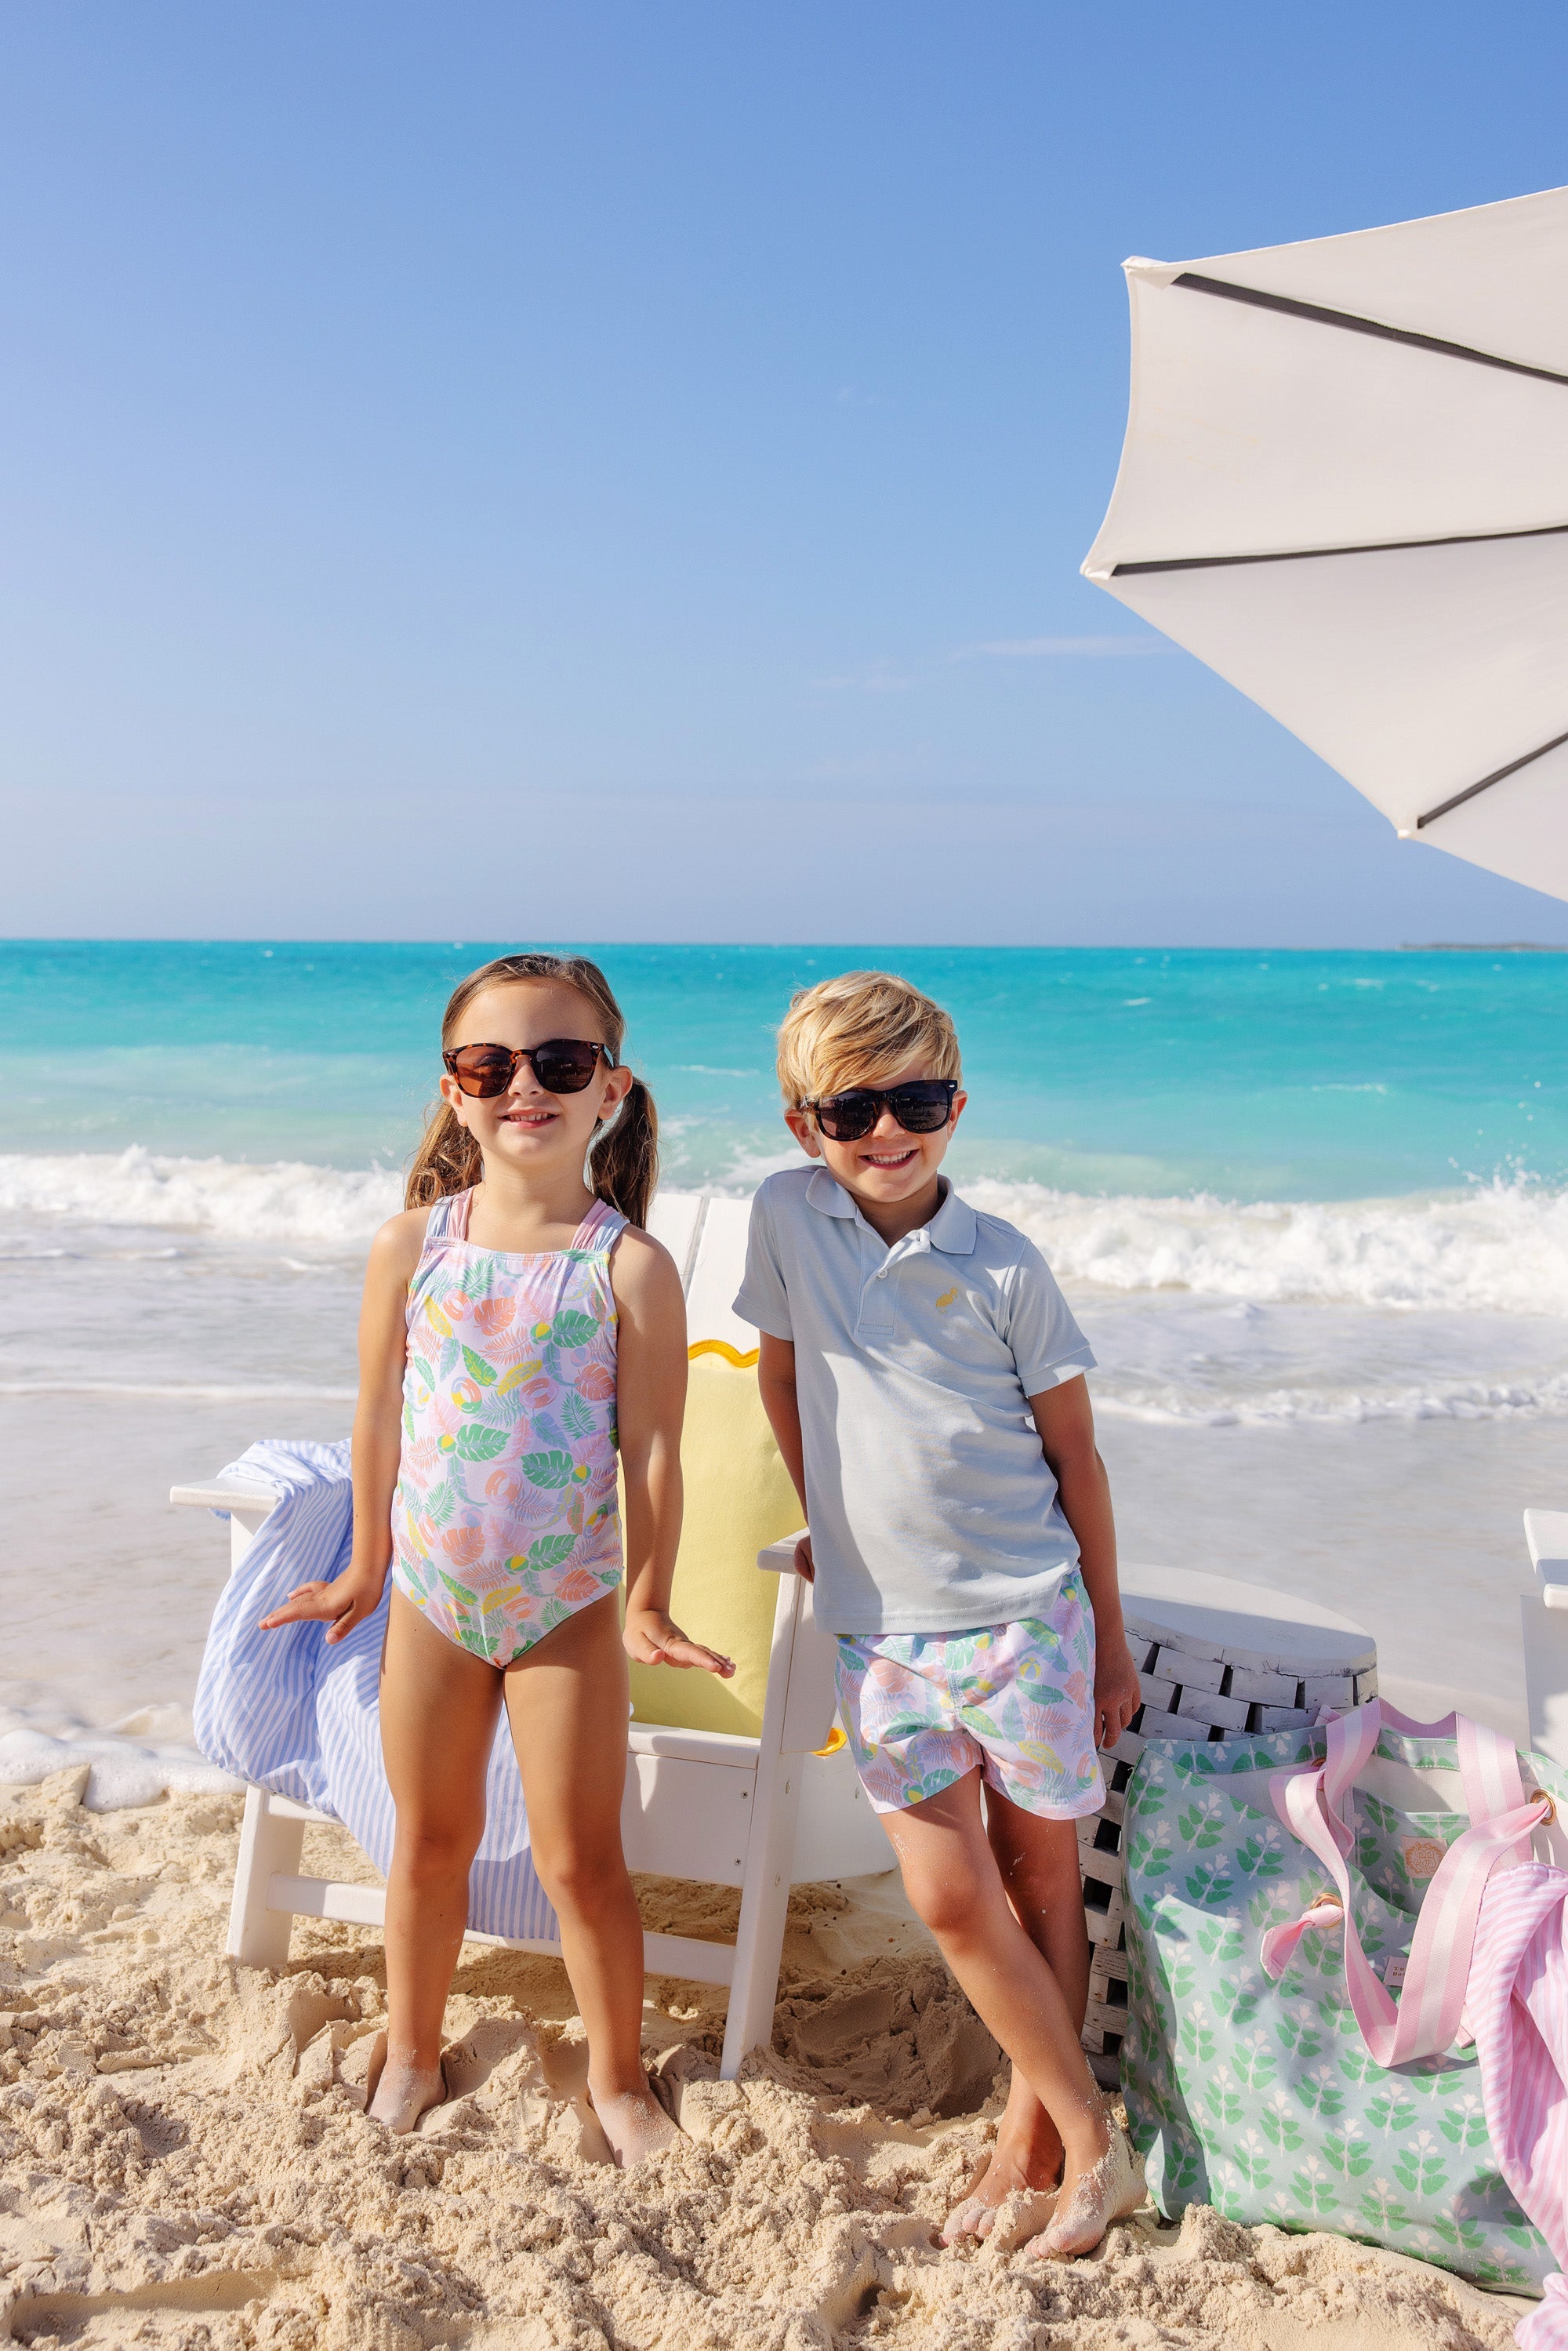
(890,1173)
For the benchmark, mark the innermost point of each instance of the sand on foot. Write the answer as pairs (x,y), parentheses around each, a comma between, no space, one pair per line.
(186,2161)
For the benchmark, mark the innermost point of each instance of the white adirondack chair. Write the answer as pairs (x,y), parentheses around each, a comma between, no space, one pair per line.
(1544,1624)
(762,1813)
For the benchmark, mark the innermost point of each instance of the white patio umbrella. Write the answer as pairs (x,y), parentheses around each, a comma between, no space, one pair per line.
(1344,486)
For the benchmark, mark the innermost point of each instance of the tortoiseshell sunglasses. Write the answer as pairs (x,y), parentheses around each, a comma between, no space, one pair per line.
(562,1065)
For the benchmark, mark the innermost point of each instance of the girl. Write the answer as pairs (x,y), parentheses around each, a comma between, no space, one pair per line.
(517,1327)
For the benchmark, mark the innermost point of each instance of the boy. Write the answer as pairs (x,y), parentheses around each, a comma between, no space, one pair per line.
(921,1371)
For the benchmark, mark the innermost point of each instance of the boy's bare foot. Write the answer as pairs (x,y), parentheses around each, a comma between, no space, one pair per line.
(1026,2157)
(635,2123)
(1091,2198)
(397,2093)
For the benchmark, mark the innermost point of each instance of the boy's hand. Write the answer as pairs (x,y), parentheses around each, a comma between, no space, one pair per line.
(1117,1696)
(656,1639)
(805,1565)
(341,1605)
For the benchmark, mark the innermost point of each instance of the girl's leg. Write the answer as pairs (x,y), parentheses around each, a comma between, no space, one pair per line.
(567,1700)
(1039,1864)
(438,1707)
(952,1877)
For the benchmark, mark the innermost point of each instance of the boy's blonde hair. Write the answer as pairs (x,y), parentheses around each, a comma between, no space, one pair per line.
(860,1030)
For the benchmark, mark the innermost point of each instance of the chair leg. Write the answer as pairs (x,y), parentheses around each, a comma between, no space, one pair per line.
(764,1904)
(267,1846)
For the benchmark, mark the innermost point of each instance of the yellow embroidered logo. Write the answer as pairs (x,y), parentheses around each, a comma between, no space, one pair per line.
(1423,1856)
(947,1298)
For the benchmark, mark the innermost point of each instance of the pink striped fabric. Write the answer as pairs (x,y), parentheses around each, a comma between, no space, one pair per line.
(1519,2009)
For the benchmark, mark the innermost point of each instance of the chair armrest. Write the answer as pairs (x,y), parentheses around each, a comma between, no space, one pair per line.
(221,1496)
(1546,1533)
(779,1558)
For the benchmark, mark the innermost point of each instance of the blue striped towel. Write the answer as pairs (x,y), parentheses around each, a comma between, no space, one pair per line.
(290,1714)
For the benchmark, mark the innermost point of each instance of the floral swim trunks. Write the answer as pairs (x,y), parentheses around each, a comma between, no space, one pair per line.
(921,1710)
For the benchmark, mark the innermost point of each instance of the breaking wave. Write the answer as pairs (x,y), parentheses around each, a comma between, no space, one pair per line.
(285,1201)
(1500,1247)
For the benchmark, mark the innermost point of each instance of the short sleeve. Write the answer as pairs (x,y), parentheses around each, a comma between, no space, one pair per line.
(1047,1343)
(764,1299)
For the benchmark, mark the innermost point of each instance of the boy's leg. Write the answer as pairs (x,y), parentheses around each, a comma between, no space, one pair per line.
(1039,1864)
(952,1876)
(438,1709)
(568,1701)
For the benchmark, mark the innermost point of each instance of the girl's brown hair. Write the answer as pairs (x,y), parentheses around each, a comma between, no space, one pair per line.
(624,1162)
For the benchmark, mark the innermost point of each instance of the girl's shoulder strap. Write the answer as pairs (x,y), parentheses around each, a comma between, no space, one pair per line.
(448,1218)
(599,1229)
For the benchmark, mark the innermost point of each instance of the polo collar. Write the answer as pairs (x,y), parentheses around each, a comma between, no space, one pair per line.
(952,1229)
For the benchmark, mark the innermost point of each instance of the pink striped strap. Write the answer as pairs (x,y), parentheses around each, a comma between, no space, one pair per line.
(1314,1802)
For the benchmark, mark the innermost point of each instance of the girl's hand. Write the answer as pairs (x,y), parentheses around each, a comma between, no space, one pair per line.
(656,1639)
(1117,1694)
(341,1605)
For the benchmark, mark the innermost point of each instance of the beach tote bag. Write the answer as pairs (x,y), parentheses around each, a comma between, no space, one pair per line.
(1301,1911)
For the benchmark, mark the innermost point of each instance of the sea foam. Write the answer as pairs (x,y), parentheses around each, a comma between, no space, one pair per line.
(1500,1247)
(286,1200)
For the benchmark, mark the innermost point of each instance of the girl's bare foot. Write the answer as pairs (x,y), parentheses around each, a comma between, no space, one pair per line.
(398,2092)
(634,2123)
(1091,2197)
(1025,2159)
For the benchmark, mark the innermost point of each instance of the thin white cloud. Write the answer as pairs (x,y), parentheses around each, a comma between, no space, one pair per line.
(1064,648)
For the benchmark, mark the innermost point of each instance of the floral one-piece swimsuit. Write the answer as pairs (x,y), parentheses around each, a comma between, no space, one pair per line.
(505,1520)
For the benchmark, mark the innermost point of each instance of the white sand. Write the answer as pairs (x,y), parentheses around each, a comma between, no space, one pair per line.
(183,2160)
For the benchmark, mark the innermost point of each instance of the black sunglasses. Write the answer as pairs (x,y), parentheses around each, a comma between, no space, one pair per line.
(922,1107)
(562,1065)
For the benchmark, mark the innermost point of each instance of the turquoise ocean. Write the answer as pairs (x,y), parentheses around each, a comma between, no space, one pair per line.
(1310,1207)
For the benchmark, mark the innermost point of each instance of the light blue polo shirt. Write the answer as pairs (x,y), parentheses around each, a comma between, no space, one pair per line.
(932,1508)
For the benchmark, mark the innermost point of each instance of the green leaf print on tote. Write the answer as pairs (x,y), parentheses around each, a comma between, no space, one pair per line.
(1209,1883)
(1253,2160)
(1346,2148)
(1315,2190)
(1254,2060)
(1223,2097)
(1202,1825)
(1465,2124)
(1263,2095)
(1262,1853)
(1151,1849)
(1419,2167)
(1295,2028)
(1278,2117)
(1388,2110)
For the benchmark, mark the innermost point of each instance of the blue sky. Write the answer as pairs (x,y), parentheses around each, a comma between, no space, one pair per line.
(591,470)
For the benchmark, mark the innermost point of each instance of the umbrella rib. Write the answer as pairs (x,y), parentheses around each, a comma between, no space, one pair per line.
(1309,554)
(1358,325)
(1486,783)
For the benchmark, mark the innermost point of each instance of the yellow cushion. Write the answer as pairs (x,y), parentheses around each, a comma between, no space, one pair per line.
(738,1498)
